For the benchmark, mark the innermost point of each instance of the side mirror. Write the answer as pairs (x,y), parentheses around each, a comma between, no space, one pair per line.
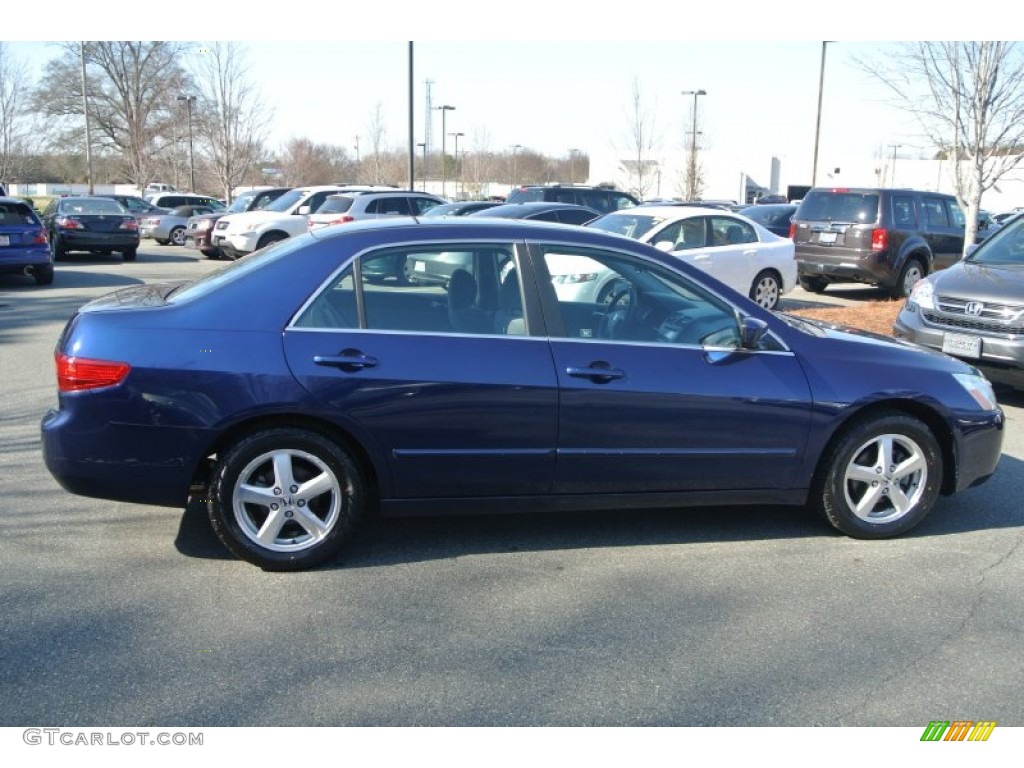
(665,245)
(303,210)
(752,330)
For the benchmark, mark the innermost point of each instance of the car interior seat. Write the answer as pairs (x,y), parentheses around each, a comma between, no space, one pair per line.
(463,313)
(508,320)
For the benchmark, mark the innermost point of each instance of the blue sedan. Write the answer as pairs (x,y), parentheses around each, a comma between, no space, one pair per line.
(293,393)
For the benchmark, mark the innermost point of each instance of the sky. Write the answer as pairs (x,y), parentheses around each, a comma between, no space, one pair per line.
(551,77)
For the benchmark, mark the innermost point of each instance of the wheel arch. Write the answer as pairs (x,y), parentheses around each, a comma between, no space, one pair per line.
(916,409)
(271,234)
(203,471)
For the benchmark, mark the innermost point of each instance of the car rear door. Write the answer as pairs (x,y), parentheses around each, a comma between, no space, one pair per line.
(450,394)
(944,230)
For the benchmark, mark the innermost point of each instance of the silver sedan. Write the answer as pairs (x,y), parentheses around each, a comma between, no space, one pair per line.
(170,227)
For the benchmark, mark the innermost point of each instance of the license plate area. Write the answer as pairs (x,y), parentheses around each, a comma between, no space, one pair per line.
(5,240)
(827,238)
(962,345)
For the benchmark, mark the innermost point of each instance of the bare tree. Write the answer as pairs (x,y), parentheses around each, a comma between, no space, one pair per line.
(377,132)
(640,145)
(14,129)
(304,162)
(132,94)
(969,99)
(233,117)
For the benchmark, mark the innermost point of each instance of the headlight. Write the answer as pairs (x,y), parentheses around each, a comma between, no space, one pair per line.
(922,295)
(204,224)
(979,388)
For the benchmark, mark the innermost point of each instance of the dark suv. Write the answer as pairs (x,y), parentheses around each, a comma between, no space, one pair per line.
(886,237)
(603,199)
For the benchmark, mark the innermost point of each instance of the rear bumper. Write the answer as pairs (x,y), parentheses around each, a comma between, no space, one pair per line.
(17,259)
(72,241)
(844,265)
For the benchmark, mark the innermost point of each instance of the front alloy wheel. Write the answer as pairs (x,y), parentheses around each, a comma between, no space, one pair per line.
(285,499)
(881,477)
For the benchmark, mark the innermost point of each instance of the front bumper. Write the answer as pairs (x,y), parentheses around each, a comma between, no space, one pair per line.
(1002,357)
(235,245)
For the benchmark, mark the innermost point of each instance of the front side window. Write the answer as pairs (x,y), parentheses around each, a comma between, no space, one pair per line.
(614,297)
(935,213)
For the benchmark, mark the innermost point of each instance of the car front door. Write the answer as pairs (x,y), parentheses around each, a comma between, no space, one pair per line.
(655,394)
(459,398)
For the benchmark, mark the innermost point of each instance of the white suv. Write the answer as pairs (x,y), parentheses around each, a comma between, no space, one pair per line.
(242,233)
(355,205)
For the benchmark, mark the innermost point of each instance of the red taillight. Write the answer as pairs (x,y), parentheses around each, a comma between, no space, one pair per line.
(130,224)
(77,373)
(342,220)
(792,231)
(66,222)
(39,237)
(879,239)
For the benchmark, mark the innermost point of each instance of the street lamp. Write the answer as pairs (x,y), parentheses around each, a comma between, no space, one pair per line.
(892,173)
(515,148)
(423,170)
(572,165)
(189,101)
(693,143)
(817,124)
(456,135)
(444,109)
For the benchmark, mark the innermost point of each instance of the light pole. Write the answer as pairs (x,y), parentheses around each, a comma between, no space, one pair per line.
(456,135)
(85,109)
(572,165)
(892,172)
(444,109)
(423,169)
(692,193)
(515,148)
(189,101)
(817,124)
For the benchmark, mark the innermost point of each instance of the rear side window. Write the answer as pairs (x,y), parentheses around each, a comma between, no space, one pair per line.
(847,207)
(903,214)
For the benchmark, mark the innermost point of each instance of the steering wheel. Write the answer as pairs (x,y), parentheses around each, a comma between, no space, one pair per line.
(620,300)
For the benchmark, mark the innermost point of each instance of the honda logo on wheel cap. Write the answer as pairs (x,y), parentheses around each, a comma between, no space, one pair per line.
(974,308)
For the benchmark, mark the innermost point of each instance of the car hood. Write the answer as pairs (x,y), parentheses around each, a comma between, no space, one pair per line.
(236,220)
(998,283)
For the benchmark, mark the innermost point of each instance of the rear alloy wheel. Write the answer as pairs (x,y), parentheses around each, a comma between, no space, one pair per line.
(178,236)
(766,289)
(912,272)
(285,499)
(881,477)
(813,284)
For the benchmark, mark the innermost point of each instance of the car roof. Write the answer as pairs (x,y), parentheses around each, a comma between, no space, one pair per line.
(670,211)
(507,210)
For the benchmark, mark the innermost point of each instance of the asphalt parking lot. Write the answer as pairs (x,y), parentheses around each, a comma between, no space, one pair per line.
(119,614)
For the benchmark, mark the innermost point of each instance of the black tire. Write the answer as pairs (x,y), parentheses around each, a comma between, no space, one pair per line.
(214,254)
(59,251)
(178,236)
(43,275)
(813,284)
(129,254)
(311,527)
(161,242)
(766,289)
(269,239)
(104,252)
(897,492)
(913,270)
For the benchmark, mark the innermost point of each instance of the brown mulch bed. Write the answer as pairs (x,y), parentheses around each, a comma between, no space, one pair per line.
(875,316)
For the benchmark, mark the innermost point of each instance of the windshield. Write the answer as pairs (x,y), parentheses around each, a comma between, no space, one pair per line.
(839,205)
(241,203)
(633,225)
(1004,247)
(286,201)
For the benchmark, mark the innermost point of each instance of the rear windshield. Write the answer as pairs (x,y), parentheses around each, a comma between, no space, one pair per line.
(834,205)
(16,213)
(335,204)
(629,224)
(525,196)
(91,206)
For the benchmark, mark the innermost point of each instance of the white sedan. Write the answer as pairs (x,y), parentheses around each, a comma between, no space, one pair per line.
(739,252)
